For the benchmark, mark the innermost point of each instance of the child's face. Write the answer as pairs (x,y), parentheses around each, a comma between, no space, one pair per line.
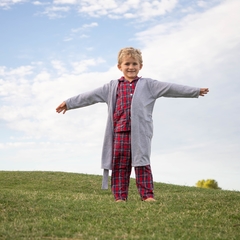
(130,68)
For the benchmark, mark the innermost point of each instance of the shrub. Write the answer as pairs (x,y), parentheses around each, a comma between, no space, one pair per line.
(209,183)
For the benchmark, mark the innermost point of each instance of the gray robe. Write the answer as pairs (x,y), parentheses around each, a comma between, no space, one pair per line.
(146,92)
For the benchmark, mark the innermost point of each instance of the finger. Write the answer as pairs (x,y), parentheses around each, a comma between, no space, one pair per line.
(59,109)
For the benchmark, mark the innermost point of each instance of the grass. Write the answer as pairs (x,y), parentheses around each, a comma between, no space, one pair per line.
(56,205)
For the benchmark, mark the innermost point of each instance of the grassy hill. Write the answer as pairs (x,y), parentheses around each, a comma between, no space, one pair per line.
(55,205)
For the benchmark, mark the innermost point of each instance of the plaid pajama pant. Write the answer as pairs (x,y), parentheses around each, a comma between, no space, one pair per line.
(122,167)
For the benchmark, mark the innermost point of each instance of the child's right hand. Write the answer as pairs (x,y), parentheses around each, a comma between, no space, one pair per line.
(61,107)
(203,91)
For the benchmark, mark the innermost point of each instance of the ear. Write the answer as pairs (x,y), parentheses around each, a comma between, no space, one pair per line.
(141,65)
(119,67)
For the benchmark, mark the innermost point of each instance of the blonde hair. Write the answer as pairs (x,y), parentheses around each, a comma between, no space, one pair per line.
(130,52)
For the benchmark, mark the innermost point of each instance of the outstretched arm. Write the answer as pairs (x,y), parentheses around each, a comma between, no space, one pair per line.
(61,107)
(203,91)
(85,99)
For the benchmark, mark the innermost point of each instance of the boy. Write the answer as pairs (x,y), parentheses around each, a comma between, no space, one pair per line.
(129,129)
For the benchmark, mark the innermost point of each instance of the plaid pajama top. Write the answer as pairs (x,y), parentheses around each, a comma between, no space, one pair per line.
(122,112)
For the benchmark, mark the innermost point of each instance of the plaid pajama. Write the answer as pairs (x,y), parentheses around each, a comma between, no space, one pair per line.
(122,158)
(122,167)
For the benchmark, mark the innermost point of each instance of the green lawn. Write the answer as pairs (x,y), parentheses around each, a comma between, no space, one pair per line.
(55,205)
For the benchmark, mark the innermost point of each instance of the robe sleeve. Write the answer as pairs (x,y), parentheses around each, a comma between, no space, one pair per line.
(89,98)
(164,89)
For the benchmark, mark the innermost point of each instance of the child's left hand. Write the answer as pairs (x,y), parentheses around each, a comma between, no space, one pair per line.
(203,91)
(61,107)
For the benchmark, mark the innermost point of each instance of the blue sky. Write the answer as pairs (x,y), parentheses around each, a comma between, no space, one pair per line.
(52,50)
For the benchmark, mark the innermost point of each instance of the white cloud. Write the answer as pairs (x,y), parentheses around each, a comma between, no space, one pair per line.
(38,3)
(83,65)
(65,1)
(68,39)
(2,70)
(19,71)
(6,4)
(28,101)
(84,27)
(76,31)
(58,65)
(94,24)
(13,83)
(44,75)
(83,36)
(193,43)
(128,9)
(202,3)
(55,11)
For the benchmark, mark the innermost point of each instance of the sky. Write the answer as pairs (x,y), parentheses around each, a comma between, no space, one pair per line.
(53,50)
